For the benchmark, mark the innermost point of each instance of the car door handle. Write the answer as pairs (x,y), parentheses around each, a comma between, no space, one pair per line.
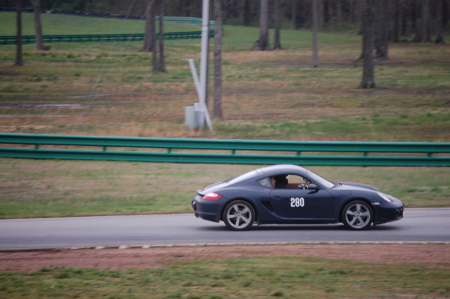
(276,197)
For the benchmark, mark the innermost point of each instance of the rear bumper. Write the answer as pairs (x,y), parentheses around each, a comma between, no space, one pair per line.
(206,210)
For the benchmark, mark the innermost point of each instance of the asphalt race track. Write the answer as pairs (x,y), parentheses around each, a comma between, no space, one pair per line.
(430,225)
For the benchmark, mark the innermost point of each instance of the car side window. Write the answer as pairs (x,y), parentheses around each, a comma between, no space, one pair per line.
(265,182)
(298,181)
(291,181)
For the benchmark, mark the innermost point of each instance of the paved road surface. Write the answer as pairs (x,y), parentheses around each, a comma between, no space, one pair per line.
(418,225)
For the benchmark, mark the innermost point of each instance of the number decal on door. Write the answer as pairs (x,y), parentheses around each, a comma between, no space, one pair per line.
(297,202)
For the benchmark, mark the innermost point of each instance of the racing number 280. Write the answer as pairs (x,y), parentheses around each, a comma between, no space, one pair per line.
(297,202)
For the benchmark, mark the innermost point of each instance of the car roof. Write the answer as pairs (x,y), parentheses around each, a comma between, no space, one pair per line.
(282,168)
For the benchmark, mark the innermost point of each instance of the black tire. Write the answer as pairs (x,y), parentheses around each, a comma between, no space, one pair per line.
(239,215)
(357,215)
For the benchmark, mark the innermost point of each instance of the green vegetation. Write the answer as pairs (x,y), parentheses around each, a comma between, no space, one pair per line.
(50,188)
(275,277)
(108,89)
(55,24)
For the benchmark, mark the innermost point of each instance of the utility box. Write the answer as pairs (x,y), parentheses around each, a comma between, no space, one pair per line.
(191,118)
(194,117)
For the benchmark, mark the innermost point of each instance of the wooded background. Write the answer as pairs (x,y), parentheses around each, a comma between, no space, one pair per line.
(405,15)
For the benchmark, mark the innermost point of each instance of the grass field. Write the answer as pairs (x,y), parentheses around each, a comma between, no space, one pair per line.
(109,89)
(275,277)
(54,24)
(30,188)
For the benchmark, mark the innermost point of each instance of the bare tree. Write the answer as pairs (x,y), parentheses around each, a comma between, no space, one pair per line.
(423,31)
(149,26)
(294,14)
(262,44)
(153,37)
(246,16)
(368,18)
(413,14)
(162,64)
(19,60)
(277,9)
(403,17)
(218,33)
(439,9)
(326,12)
(382,29)
(395,36)
(37,25)
(315,30)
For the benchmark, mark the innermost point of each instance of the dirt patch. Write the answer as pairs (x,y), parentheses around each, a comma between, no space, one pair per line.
(5,74)
(428,255)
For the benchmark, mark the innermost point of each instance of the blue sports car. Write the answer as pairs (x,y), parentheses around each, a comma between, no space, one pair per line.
(290,194)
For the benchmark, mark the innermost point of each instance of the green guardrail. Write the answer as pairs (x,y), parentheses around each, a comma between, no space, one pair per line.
(84,38)
(211,150)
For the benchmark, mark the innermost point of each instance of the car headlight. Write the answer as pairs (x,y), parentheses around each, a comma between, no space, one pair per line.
(383,196)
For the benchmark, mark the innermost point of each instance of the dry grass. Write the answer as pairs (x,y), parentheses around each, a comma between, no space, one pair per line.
(98,89)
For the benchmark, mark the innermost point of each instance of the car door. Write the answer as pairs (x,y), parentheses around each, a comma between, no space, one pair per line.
(302,204)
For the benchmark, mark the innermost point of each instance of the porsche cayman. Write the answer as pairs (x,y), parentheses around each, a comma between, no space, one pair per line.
(290,194)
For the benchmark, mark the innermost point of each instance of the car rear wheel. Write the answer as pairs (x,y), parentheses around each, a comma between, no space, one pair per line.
(357,215)
(239,215)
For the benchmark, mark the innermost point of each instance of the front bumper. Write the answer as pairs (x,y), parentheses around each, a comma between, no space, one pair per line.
(389,214)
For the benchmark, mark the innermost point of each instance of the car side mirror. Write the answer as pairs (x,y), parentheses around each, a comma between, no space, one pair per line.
(313,187)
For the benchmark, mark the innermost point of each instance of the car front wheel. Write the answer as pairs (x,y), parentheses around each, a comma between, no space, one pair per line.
(239,215)
(357,215)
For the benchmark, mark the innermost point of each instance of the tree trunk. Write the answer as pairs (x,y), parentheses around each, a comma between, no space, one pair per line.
(353,11)
(153,37)
(425,21)
(263,43)
(368,18)
(326,12)
(149,26)
(423,32)
(404,18)
(334,11)
(246,16)
(382,29)
(162,64)
(445,13)
(413,14)
(315,31)
(218,33)
(37,24)
(19,61)
(439,9)
(277,42)
(395,36)
(294,14)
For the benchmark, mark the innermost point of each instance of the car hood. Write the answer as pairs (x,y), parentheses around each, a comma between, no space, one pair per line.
(353,186)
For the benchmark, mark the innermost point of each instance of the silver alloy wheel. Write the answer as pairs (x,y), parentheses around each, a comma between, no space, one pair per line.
(239,215)
(357,215)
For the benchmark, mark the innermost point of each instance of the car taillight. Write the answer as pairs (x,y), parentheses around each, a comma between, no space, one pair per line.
(212,196)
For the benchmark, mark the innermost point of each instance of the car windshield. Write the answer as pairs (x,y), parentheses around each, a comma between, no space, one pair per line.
(243,177)
(320,180)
